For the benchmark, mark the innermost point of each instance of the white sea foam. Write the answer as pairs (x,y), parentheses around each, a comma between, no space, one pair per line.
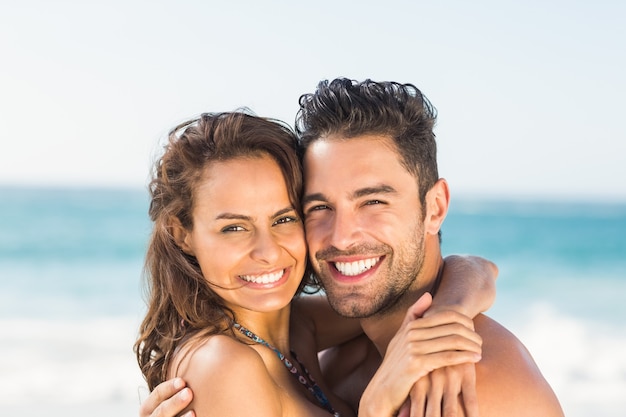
(582,359)
(58,365)
(71,367)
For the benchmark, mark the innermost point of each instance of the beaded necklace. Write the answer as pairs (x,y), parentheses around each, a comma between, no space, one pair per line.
(306,380)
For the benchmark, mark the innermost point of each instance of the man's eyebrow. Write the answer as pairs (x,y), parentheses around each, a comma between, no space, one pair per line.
(361,192)
(313,197)
(379,189)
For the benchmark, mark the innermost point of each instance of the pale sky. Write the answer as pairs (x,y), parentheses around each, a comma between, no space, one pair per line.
(530,94)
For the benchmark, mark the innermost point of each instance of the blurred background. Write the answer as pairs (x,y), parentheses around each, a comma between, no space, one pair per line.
(530,132)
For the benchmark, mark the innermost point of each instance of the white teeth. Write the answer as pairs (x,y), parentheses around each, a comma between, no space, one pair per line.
(265,278)
(356,267)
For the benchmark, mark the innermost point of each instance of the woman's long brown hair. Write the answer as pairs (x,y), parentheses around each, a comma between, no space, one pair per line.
(181,304)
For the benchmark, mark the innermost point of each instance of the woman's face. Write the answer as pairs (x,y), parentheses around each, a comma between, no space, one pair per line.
(247,236)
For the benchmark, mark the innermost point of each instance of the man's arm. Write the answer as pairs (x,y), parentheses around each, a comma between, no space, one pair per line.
(468,287)
(420,346)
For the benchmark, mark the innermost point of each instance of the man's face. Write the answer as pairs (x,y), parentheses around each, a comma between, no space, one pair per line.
(363,222)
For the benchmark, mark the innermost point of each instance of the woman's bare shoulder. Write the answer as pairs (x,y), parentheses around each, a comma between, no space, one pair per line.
(216,368)
(212,352)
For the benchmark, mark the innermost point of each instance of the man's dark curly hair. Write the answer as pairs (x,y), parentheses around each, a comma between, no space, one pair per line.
(347,108)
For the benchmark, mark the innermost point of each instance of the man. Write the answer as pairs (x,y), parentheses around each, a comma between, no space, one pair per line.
(373,196)
(374,205)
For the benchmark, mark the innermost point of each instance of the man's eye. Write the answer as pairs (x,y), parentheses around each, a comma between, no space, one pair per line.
(319,207)
(372,202)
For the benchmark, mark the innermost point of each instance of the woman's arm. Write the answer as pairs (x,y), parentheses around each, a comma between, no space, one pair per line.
(328,327)
(468,286)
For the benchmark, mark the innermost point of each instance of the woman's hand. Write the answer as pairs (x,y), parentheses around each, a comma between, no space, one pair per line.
(420,346)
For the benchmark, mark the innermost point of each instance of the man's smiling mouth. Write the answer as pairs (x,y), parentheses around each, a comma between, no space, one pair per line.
(356,267)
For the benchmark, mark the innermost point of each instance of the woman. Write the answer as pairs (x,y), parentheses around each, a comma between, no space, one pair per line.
(226,258)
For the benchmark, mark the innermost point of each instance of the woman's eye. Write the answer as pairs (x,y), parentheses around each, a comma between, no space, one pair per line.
(228,229)
(286,219)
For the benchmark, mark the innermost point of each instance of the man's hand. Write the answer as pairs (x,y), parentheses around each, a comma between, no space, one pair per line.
(420,346)
(438,393)
(167,400)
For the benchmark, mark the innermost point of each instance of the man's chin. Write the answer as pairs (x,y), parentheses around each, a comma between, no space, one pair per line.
(352,306)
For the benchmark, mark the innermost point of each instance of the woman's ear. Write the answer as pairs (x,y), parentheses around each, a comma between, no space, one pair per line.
(437,201)
(181,235)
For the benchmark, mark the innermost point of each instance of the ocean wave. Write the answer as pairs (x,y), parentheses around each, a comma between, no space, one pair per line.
(61,363)
(65,363)
(582,358)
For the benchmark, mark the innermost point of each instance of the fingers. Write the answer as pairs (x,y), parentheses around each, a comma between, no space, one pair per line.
(450,382)
(168,399)
(446,392)
(421,346)
(438,360)
(446,317)
(415,350)
(405,410)
(419,341)
(434,400)
(468,388)
(418,397)
(418,308)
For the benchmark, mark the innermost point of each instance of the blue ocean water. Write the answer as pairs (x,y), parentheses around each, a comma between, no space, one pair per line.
(70,294)
(561,252)
(66,252)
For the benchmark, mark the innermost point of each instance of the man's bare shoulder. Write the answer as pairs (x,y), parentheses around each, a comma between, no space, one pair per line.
(508,381)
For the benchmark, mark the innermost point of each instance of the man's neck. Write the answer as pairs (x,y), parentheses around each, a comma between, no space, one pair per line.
(381,328)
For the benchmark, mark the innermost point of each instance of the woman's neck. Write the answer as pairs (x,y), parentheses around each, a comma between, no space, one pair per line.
(273,327)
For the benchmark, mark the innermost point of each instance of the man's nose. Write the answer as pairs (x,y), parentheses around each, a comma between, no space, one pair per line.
(345,230)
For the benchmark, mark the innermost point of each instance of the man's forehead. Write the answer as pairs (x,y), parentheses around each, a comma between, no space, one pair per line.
(343,146)
(364,161)
(338,148)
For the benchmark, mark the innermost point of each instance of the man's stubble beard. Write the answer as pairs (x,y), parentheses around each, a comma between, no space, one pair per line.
(384,295)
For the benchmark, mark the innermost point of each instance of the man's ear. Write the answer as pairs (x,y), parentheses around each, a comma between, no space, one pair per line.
(181,235)
(437,201)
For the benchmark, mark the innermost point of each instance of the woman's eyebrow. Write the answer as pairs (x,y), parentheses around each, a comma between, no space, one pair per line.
(235,216)
(232,216)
